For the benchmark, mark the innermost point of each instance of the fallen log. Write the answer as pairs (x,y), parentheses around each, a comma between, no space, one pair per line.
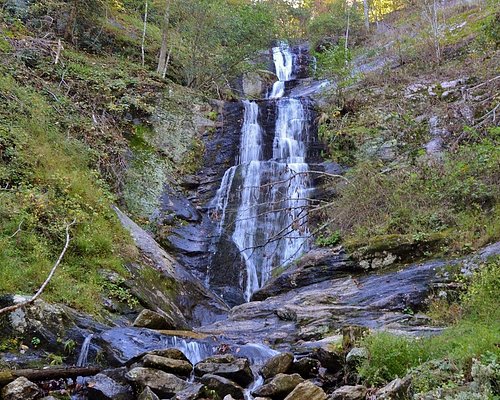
(7,376)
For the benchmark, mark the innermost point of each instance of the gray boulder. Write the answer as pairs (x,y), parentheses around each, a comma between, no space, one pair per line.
(152,320)
(227,366)
(162,383)
(192,392)
(222,386)
(398,389)
(177,367)
(21,389)
(357,392)
(279,364)
(102,387)
(280,386)
(148,394)
(306,367)
(356,356)
(306,391)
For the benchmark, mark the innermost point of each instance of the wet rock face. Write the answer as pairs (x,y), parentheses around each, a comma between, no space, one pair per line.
(316,266)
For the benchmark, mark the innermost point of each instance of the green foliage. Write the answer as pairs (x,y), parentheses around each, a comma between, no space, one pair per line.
(120,292)
(491,29)
(331,22)
(476,335)
(55,359)
(213,38)
(483,292)
(425,197)
(390,356)
(331,240)
(47,182)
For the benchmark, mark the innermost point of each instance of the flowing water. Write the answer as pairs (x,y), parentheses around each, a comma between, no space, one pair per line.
(268,221)
(84,352)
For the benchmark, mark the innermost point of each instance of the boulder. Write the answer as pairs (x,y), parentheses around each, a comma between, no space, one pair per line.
(280,386)
(306,367)
(316,266)
(148,394)
(152,320)
(227,366)
(162,383)
(357,392)
(192,392)
(279,364)
(177,367)
(356,356)
(329,360)
(174,354)
(21,389)
(395,390)
(222,386)
(306,391)
(102,387)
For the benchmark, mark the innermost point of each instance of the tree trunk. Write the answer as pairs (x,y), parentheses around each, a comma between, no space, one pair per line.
(8,376)
(366,9)
(144,32)
(164,39)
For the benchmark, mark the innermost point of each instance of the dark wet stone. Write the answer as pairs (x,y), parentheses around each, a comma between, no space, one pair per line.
(316,266)
(102,387)
(222,386)
(162,383)
(306,367)
(227,366)
(152,320)
(279,387)
(279,364)
(176,367)
(307,391)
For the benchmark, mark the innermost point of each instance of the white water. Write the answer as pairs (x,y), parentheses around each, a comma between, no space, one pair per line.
(193,350)
(84,352)
(270,222)
(283,61)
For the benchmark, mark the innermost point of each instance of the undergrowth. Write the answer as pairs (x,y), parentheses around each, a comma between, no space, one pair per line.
(476,335)
(46,181)
(458,196)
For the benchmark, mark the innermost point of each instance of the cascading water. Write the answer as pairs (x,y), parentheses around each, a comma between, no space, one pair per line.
(84,352)
(268,221)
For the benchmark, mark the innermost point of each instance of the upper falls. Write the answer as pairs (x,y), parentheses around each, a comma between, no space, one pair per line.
(261,204)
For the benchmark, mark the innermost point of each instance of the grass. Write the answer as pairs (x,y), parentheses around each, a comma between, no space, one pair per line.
(475,335)
(459,196)
(47,180)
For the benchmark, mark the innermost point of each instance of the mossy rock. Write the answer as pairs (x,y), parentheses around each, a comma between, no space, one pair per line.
(385,250)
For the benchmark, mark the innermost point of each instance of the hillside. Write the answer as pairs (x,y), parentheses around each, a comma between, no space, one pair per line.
(270,187)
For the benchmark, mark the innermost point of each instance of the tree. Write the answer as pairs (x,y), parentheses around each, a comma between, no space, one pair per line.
(162,59)
(366,11)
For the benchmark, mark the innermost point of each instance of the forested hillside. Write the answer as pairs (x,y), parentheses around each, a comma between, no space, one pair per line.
(135,134)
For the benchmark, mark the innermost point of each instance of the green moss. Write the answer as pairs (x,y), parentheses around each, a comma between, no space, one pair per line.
(48,183)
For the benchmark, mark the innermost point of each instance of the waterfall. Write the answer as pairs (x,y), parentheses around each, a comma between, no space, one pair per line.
(283,62)
(84,352)
(268,222)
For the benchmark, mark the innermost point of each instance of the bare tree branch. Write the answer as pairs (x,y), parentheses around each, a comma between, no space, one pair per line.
(44,285)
